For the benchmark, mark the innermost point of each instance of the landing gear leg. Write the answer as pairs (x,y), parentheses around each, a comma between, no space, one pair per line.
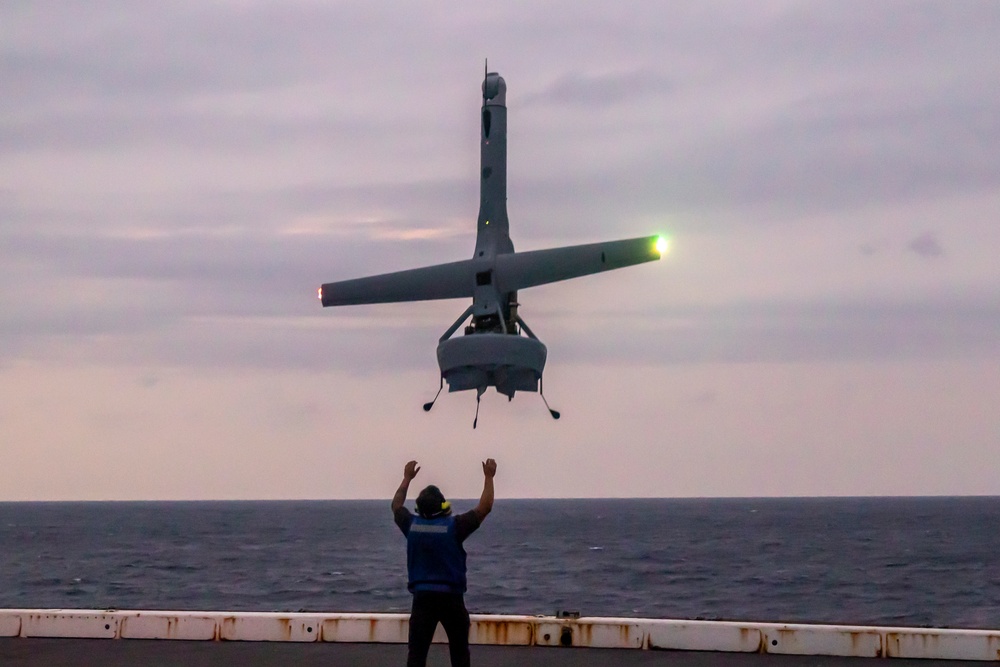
(541,392)
(428,406)
(479,392)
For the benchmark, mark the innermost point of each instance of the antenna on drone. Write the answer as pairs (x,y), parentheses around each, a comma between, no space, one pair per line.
(541,392)
(486,73)
(428,406)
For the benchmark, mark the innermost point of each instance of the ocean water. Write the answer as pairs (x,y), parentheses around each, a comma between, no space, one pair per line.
(883,561)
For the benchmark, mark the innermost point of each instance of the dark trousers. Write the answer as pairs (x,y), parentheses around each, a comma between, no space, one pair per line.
(428,610)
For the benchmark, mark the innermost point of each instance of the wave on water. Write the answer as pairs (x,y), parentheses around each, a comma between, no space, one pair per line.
(870,561)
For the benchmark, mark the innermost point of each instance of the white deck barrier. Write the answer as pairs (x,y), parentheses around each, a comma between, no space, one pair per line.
(592,632)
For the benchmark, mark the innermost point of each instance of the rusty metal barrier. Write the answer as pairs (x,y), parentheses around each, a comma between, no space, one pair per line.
(541,631)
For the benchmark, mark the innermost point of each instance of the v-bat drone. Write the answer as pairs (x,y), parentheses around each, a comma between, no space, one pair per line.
(498,349)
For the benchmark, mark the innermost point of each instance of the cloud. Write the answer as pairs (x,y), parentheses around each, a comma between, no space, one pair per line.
(608,143)
(926,245)
(953,327)
(585,90)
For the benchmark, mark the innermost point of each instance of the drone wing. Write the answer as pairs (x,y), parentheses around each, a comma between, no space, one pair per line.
(441,281)
(511,272)
(538,267)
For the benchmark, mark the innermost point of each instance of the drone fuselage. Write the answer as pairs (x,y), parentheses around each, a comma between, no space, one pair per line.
(492,310)
(492,353)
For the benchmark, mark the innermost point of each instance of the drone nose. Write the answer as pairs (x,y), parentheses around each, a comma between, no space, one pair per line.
(494,90)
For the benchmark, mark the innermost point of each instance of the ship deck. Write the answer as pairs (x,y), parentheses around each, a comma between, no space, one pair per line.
(59,652)
(109,638)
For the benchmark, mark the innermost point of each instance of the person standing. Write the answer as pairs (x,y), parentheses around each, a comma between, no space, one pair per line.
(435,564)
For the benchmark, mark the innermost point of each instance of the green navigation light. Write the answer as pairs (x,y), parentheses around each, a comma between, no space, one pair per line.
(662,244)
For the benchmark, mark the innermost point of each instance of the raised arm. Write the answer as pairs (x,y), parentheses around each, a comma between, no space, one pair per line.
(409,472)
(486,500)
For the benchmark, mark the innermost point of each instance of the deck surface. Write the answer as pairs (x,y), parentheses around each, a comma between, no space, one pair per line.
(18,652)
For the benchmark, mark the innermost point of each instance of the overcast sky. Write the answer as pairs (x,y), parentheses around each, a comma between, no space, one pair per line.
(176,179)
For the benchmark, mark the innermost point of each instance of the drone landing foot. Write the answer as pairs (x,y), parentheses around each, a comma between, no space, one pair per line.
(555,413)
(428,406)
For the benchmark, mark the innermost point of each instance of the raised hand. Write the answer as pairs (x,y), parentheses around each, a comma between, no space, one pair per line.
(489,467)
(411,470)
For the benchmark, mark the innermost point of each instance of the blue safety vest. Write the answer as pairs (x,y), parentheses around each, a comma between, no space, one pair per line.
(435,559)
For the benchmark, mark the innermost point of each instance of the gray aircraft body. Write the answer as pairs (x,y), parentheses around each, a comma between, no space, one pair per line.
(498,349)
